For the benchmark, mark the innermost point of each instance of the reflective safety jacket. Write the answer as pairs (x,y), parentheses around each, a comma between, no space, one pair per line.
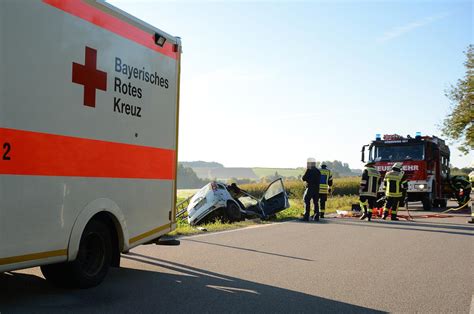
(395,183)
(326,181)
(370,182)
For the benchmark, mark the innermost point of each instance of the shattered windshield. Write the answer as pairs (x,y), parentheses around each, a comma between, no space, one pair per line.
(393,153)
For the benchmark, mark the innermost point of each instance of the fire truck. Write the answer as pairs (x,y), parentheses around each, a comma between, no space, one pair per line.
(425,161)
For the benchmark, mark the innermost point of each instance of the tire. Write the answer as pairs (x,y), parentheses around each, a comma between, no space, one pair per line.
(56,274)
(443,203)
(232,212)
(426,201)
(92,262)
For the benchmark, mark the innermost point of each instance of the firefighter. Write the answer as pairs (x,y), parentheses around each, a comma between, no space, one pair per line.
(395,182)
(324,188)
(312,177)
(369,186)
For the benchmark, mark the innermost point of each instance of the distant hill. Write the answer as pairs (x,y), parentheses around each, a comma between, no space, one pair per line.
(223,173)
(213,170)
(284,172)
(201,164)
(187,178)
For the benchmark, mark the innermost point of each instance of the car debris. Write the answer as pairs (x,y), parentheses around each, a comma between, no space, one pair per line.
(219,201)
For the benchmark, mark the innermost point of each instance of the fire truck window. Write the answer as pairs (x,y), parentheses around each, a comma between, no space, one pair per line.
(390,153)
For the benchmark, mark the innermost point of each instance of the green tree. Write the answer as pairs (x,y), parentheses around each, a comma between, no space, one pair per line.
(458,125)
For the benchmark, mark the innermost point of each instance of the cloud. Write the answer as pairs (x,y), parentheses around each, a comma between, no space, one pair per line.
(401,30)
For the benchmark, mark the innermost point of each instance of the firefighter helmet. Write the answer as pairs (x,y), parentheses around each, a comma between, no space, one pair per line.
(397,166)
(369,163)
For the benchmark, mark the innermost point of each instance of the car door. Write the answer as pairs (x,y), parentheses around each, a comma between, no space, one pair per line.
(274,199)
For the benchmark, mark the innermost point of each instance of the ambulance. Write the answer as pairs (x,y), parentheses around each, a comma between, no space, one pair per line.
(89,101)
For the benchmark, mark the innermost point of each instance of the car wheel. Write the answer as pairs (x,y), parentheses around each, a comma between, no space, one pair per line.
(232,212)
(91,264)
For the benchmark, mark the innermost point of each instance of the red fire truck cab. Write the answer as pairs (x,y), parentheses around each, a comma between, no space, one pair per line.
(425,161)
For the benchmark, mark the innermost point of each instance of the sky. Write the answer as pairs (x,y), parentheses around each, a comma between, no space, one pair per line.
(271,83)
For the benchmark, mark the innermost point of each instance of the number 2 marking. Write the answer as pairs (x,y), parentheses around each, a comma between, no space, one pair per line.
(6,147)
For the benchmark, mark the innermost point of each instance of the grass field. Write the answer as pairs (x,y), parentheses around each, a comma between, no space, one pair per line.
(341,187)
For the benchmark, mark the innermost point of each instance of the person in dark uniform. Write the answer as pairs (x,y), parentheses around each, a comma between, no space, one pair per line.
(312,177)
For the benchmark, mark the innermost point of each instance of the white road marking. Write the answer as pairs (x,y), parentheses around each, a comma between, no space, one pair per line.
(233,230)
(471,311)
(231,289)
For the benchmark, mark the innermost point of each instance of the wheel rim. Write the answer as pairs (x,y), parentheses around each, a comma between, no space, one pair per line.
(92,254)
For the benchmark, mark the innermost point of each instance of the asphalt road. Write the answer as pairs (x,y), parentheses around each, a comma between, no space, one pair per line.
(337,265)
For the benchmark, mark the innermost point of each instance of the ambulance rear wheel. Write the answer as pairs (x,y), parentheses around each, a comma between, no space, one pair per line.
(92,262)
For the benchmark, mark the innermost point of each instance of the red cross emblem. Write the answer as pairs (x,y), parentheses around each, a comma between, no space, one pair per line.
(89,76)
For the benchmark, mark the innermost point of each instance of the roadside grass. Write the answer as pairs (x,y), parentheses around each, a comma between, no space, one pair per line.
(333,203)
(295,211)
(185,193)
(184,229)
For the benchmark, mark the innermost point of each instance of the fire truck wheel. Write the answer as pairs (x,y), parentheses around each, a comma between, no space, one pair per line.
(92,262)
(443,203)
(232,212)
(426,201)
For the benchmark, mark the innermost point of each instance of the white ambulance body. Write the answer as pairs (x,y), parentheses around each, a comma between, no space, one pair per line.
(88,136)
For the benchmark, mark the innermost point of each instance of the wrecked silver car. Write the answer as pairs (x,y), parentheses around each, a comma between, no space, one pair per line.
(230,203)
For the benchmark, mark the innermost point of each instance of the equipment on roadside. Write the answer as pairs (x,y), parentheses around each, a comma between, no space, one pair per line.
(462,188)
